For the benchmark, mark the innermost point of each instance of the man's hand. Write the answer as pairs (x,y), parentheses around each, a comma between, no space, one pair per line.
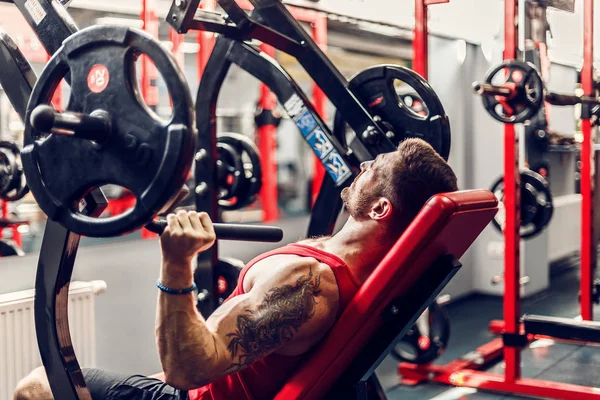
(187,234)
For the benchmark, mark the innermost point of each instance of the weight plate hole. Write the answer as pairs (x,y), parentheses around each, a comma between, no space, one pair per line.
(409,99)
(153,95)
(120,201)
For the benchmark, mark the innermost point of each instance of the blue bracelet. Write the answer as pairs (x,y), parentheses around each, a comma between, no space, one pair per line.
(176,291)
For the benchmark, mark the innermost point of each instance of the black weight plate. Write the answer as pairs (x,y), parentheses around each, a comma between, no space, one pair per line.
(227,272)
(251,185)
(12,152)
(8,169)
(377,89)
(427,339)
(536,204)
(9,248)
(230,171)
(528,98)
(149,156)
(18,192)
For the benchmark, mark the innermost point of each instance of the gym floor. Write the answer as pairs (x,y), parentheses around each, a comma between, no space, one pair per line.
(548,360)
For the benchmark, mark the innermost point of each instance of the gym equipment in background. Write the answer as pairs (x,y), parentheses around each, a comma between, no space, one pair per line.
(13,185)
(9,248)
(428,338)
(272,23)
(239,171)
(536,204)
(512,92)
(417,110)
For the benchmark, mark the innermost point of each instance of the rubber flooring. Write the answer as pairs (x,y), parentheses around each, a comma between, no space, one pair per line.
(548,360)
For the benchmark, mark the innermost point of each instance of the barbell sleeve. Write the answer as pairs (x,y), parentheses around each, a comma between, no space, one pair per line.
(239,232)
(486,89)
(92,127)
(557,99)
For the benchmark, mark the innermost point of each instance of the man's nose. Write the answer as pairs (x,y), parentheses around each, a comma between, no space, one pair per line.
(364,165)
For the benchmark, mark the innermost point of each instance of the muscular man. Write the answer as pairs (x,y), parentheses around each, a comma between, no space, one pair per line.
(286,300)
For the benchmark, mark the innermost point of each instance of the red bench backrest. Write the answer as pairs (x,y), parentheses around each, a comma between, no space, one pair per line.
(448,224)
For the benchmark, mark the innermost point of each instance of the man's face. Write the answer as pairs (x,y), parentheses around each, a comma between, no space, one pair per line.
(359,196)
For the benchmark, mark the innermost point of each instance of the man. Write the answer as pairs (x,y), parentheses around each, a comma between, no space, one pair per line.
(286,300)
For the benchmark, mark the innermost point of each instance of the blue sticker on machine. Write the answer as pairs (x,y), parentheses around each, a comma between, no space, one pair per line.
(306,122)
(336,167)
(320,143)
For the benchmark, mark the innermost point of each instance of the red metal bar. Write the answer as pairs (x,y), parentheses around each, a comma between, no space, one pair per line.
(4,215)
(177,40)
(512,355)
(421,34)
(267,144)
(588,251)
(413,374)
(420,42)
(206,40)
(319,33)
(148,71)
(57,100)
(16,236)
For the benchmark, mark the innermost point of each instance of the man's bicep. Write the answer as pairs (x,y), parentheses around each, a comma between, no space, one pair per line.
(276,311)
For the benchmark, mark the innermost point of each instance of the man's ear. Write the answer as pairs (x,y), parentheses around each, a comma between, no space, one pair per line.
(381,209)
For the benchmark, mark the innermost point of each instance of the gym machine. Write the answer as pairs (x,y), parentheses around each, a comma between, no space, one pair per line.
(108,146)
(368,103)
(90,60)
(521,97)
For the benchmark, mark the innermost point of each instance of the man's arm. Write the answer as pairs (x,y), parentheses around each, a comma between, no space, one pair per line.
(296,304)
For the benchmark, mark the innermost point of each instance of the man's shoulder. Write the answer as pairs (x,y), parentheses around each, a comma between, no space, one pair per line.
(280,270)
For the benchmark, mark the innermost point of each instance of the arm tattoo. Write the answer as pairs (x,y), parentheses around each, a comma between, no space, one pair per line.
(280,315)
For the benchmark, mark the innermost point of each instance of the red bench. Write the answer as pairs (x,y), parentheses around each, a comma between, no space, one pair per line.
(407,280)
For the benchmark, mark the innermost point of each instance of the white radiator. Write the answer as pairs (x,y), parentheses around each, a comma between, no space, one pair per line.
(18,344)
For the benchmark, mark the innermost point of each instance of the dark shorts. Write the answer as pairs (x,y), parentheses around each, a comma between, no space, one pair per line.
(108,386)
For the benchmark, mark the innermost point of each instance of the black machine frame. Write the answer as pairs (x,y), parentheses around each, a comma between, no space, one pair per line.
(272,23)
(55,267)
(227,52)
(59,245)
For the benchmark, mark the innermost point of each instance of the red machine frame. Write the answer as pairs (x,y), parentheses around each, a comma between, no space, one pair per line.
(421,34)
(465,372)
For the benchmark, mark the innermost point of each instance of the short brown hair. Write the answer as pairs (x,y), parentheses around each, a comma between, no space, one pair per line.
(418,173)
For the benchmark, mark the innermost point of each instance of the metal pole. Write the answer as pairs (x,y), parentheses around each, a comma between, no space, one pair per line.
(148,71)
(206,40)
(319,32)
(512,354)
(267,139)
(588,252)
(420,45)
(57,100)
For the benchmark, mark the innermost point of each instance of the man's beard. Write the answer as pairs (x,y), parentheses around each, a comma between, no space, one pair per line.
(357,204)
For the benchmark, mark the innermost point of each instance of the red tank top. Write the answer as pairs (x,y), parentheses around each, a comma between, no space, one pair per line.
(265,377)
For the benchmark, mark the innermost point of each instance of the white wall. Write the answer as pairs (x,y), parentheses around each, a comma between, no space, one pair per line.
(476,21)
